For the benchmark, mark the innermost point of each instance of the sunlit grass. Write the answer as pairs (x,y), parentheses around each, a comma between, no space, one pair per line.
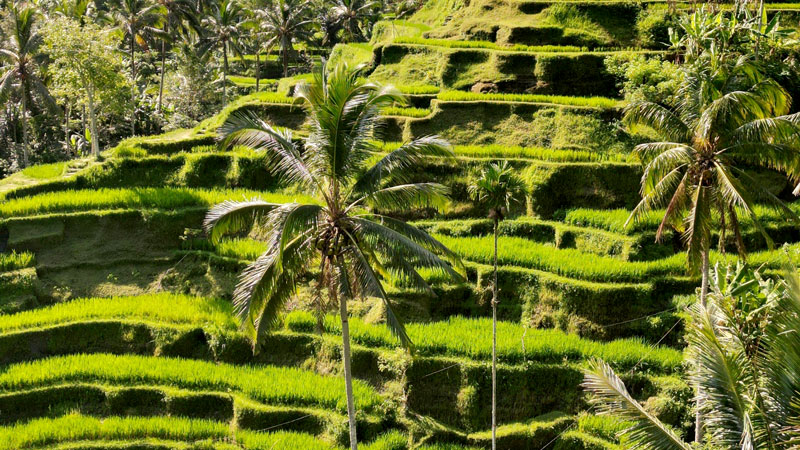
(134,198)
(15,261)
(159,308)
(45,171)
(267,384)
(595,102)
(75,427)
(472,338)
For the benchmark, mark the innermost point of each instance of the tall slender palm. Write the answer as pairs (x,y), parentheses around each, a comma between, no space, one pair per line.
(745,350)
(354,15)
(354,248)
(178,16)
(139,20)
(496,187)
(224,27)
(19,78)
(283,22)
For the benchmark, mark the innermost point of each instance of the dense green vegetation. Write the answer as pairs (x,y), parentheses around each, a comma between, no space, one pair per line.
(349,232)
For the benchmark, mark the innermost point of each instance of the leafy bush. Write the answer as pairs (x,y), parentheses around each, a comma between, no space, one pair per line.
(643,78)
(274,385)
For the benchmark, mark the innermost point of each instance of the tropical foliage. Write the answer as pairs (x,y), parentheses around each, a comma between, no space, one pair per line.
(743,348)
(357,248)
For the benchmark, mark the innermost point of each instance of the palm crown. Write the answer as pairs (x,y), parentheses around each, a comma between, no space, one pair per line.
(353,248)
(730,118)
(497,186)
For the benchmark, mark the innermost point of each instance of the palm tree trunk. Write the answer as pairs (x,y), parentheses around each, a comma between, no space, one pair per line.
(285,51)
(93,125)
(67,111)
(133,85)
(348,376)
(258,67)
(494,342)
(163,66)
(225,73)
(698,422)
(26,149)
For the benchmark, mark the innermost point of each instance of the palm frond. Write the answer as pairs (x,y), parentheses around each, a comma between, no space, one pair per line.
(407,196)
(284,158)
(698,225)
(718,372)
(370,285)
(400,163)
(234,216)
(610,396)
(267,283)
(663,121)
(390,242)
(424,239)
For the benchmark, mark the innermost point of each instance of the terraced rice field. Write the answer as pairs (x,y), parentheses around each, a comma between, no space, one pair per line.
(116,323)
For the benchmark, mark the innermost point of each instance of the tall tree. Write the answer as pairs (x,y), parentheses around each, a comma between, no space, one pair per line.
(354,247)
(283,22)
(139,20)
(179,15)
(224,26)
(745,354)
(19,79)
(85,66)
(356,18)
(496,187)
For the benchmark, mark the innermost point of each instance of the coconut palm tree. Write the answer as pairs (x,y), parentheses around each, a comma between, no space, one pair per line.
(178,16)
(353,247)
(139,20)
(698,173)
(224,25)
(283,22)
(745,353)
(496,187)
(19,78)
(352,15)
